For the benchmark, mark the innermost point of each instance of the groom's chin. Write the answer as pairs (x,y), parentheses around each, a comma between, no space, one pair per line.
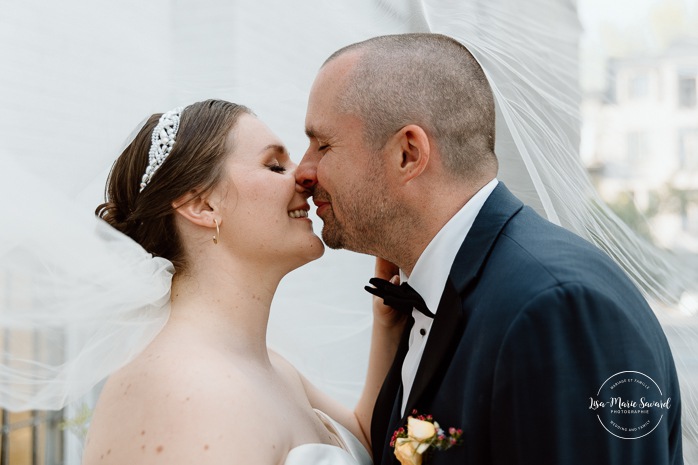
(333,238)
(332,242)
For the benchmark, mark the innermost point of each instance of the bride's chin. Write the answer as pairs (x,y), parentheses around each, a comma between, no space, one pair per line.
(316,249)
(311,251)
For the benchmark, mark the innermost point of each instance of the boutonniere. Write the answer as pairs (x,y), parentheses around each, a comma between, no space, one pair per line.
(422,434)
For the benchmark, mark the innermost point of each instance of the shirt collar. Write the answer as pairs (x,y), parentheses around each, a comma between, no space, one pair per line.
(430,273)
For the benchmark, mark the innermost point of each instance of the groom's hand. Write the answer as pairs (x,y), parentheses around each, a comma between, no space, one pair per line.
(383,314)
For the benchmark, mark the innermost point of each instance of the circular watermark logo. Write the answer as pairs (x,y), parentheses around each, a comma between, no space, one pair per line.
(630,405)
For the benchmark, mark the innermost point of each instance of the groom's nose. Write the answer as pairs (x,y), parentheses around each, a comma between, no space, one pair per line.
(306,173)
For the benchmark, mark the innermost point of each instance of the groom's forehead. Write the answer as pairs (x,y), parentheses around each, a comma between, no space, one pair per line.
(322,133)
(333,78)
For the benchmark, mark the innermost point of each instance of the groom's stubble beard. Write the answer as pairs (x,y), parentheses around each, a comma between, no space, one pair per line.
(363,218)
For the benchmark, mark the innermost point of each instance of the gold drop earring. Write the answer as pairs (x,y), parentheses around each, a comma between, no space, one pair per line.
(218,232)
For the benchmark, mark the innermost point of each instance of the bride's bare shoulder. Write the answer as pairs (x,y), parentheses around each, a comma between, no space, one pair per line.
(183,406)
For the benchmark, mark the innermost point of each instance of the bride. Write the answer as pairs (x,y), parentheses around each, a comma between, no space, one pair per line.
(211,189)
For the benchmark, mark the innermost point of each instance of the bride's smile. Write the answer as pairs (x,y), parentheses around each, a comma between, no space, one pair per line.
(263,211)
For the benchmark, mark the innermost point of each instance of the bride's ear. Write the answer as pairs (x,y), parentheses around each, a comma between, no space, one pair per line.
(198,209)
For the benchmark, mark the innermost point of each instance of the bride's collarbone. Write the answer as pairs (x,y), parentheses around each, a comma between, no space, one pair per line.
(161,390)
(271,386)
(283,396)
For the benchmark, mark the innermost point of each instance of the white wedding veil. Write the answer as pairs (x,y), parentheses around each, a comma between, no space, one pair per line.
(82,299)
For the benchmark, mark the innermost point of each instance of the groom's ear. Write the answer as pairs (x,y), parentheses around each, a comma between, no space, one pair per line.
(412,151)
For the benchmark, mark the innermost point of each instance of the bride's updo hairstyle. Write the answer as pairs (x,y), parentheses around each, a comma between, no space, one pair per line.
(195,164)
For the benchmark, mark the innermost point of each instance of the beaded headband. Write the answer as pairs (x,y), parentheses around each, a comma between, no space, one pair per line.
(162,140)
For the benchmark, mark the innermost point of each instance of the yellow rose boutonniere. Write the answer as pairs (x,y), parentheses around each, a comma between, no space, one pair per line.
(422,434)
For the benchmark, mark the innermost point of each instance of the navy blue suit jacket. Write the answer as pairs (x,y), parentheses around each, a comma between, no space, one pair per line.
(533,320)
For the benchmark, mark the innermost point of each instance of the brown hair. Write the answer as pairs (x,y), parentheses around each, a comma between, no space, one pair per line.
(430,80)
(195,164)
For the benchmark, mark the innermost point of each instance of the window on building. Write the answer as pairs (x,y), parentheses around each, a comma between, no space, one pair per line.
(687,92)
(639,86)
(688,149)
(31,438)
(637,147)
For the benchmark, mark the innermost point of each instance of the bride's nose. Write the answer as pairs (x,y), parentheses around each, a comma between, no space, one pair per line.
(299,188)
(303,191)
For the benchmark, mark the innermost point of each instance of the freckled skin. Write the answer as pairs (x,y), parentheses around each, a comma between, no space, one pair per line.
(209,367)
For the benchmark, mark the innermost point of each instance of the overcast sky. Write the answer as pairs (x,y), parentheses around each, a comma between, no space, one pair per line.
(622,13)
(624,16)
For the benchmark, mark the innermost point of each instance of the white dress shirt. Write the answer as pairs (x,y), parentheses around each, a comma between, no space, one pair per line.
(429,279)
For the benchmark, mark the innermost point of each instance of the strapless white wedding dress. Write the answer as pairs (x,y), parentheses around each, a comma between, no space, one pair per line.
(351,452)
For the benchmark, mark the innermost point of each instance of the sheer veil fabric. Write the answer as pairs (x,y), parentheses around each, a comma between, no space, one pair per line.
(82,299)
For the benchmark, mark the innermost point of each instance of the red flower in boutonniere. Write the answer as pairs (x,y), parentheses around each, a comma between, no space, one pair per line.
(422,434)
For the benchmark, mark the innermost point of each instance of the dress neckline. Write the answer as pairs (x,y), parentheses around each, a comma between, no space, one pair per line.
(349,451)
(333,428)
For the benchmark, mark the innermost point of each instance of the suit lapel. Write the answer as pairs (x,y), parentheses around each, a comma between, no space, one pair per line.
(448,326)
(451,318)
(498,209)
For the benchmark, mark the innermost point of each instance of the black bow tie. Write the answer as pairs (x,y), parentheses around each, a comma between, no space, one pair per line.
(402,298)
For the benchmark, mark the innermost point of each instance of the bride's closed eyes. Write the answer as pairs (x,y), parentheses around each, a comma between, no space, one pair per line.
(278,158)
(276,167)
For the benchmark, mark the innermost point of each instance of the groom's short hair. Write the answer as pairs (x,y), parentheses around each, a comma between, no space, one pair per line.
(426,79)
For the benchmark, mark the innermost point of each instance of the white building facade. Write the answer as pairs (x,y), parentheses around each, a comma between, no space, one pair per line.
(641,140)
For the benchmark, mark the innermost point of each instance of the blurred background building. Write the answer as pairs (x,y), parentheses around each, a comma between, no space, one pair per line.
(640,121)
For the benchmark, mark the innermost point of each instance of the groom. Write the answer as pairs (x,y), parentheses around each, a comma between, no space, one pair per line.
(534,342)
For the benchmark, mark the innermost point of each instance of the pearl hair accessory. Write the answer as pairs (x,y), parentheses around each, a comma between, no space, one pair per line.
(162,140)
